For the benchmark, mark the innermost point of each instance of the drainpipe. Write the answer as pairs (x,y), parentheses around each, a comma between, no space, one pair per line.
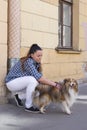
(13,32)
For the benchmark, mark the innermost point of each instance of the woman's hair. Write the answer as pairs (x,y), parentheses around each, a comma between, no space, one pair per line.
(32,50)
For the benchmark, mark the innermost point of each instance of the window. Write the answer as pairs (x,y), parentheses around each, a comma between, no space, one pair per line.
(65,24)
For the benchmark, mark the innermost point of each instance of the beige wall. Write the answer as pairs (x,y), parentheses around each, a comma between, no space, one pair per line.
(83,30)
(82,25)
(3,47)
(39,24)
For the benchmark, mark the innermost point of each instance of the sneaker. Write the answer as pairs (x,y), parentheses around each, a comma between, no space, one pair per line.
(18,101)
(32,109)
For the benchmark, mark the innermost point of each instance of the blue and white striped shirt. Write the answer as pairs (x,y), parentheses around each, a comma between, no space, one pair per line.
(30,69)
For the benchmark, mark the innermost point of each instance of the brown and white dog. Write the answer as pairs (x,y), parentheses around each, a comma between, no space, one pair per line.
(44,95)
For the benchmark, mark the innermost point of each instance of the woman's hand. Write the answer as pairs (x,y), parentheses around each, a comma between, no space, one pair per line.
(58,85)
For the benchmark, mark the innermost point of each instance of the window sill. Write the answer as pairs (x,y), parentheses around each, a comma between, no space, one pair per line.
(67,51)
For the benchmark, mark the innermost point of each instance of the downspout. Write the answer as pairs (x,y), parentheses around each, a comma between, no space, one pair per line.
(13,32)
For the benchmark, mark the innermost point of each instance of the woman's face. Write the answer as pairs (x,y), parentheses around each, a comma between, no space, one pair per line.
(37,56)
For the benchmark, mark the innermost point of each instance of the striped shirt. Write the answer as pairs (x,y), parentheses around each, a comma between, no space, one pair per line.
(30,69)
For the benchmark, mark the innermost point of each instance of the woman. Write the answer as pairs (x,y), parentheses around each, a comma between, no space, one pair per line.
(25,75)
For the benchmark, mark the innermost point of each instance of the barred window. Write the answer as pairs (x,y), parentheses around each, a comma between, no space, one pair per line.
(65,24)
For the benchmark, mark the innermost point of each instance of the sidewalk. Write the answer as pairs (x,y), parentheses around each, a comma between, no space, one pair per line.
(14,118)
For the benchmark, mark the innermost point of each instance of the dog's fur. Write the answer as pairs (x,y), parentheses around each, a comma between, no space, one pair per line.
(44,95)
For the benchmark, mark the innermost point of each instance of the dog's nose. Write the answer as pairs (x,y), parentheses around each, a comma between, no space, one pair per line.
(72,84)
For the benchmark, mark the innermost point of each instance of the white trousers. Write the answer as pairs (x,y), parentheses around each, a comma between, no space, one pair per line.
(24,87)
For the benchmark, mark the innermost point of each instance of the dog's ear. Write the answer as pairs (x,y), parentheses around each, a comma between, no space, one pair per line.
(66,80)
(76,82)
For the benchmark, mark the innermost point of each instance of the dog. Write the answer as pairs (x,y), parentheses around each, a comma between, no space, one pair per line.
(66,95)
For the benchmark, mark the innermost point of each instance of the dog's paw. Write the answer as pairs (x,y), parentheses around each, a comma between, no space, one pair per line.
(68,112)
(42,111)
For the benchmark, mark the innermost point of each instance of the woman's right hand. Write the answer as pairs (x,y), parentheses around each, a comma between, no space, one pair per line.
(58,85)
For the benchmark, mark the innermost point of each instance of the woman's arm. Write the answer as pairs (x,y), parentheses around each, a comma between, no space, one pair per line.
(43,80)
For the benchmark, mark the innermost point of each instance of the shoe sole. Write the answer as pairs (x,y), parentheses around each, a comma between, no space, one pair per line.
(32,111)
(17,103)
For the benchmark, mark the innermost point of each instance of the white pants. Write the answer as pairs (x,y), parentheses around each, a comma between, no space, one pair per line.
(24,87)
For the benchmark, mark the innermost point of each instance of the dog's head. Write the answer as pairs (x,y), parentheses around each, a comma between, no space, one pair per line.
(71,83)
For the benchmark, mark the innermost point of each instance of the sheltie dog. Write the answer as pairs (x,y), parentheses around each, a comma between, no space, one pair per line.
(66,95)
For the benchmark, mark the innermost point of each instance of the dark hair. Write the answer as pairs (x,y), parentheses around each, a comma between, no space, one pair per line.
(32,50)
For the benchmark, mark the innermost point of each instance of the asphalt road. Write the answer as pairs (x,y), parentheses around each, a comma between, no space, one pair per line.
(14,118)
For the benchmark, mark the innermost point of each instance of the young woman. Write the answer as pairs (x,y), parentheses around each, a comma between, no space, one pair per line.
(25,75)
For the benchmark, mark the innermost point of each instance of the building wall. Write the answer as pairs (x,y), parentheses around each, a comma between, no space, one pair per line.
(83,32)
(39,24)
(83,28)
(3,47)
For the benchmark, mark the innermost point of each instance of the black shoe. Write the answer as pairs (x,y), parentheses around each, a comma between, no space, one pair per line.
(18,101)
(32,109)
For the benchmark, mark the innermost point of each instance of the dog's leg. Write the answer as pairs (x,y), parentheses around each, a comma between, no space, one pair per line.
(66,108)
(42,109)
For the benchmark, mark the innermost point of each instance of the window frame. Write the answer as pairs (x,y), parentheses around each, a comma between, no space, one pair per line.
(61,24)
